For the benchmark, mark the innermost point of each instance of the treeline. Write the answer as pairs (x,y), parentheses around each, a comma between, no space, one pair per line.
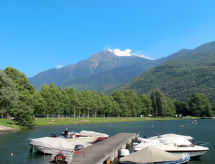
(18,98)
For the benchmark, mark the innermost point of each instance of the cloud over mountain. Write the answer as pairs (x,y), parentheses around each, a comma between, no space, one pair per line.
(59,66)
(127,52)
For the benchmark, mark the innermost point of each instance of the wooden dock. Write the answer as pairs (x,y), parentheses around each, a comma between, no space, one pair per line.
(104,150)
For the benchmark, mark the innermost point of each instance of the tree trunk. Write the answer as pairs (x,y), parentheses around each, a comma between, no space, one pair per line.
(79,115)
(74,114)
(95,113)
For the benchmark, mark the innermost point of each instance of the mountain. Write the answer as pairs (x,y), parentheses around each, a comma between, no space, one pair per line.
(189,71)
(102,71)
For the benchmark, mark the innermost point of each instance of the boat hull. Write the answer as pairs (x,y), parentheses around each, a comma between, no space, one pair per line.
(44,150)
(193,154)
(185,160)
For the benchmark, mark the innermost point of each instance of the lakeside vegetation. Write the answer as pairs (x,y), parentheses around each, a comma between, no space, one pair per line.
(19,99)
(72,121)
(188,72)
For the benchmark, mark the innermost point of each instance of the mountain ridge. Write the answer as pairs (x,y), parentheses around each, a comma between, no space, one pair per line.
(190,71)
(98,63)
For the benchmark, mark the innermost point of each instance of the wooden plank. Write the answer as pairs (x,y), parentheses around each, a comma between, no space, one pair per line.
(99,152)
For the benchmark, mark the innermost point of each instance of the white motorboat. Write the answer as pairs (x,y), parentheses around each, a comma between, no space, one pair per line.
(152,154)
(87,136)
(47,145)
(172,135)
(175,145)
(93,134)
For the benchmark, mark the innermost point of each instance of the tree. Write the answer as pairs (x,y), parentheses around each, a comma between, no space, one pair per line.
(71,101)
(145,105)
(39,104)
(199,105)
(53,97)
(26,93)
(120,98)
(170,108)
(24,114)
(181,108)
(8,94)
(213,109)
(159,103)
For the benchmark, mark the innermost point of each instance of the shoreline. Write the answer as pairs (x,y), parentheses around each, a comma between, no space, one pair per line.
(10,125)
(6,128)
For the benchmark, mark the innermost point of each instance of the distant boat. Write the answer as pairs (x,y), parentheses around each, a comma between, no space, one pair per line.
(152,154)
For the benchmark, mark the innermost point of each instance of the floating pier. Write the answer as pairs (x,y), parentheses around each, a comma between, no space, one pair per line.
(105,151)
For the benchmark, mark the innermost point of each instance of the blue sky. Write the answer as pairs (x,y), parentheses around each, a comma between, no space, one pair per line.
(36,35)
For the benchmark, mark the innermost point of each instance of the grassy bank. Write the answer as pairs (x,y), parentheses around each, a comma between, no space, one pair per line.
(67,121)
(10,123)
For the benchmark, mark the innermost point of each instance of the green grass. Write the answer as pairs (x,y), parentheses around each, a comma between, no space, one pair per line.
(67,121)
(10,123)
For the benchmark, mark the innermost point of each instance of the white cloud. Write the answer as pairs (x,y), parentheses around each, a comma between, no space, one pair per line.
(127,52)
(118,52)
(59,66)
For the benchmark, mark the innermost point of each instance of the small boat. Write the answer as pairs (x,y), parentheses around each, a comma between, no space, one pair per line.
(174,145)
(152,154)
(46,145)
(172,135)
(87,136)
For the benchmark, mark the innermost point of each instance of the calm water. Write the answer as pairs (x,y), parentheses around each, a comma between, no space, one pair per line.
(17,143)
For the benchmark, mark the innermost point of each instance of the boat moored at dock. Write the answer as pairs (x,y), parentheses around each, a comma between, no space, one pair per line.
(152,154)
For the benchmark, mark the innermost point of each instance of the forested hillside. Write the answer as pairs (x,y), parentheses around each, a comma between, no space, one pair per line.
(191,71)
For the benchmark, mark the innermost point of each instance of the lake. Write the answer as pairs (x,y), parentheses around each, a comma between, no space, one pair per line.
(17,142)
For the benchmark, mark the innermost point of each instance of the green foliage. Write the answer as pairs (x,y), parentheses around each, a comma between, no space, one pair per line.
(24,114)
(161,105)
(199,105)
(26,97)
(54,99)
(127,100)
(190,71)
(181,108)
(39,104)
(145,105)
(20,99)
(170,107)
(8,94)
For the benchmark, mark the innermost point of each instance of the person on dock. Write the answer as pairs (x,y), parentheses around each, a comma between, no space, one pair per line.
(66,133)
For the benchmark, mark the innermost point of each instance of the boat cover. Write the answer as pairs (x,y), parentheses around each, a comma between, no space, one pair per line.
(151,154)
(172,135)
(93,134)
(175,140)
(56,143)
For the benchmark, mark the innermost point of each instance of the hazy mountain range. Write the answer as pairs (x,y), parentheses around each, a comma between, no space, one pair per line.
(178,75)
(102,71)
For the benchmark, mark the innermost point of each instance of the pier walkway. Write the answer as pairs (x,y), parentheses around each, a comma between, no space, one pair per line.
(104,150)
